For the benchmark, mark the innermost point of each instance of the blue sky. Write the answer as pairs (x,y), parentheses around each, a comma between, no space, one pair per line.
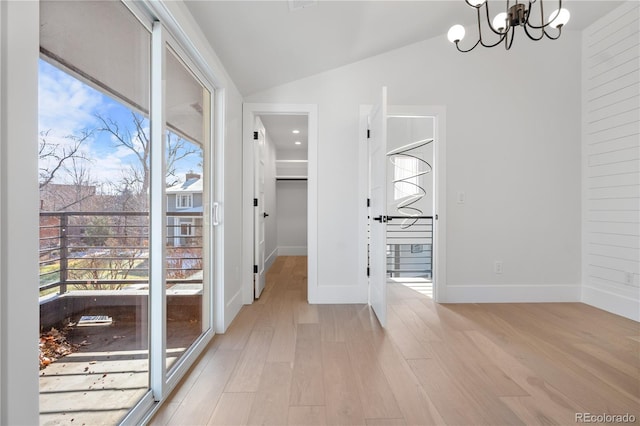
(67,106)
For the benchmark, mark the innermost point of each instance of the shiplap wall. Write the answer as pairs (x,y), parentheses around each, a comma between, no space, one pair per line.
(611,161)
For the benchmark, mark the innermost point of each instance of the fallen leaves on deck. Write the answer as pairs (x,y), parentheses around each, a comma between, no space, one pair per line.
(54,345)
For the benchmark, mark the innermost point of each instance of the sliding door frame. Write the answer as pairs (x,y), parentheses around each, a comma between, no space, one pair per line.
(166,32)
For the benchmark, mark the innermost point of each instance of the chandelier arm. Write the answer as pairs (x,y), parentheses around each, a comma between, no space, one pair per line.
(526,31)
(486,7)
(513,33)
(556,37)
(526,21)
(538,27)
(502,38)
(468,50)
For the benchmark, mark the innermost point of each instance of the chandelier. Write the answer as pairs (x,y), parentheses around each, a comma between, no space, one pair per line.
(503,25)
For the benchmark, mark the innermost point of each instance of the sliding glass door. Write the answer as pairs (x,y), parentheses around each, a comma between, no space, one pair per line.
(188,108)
(125,188)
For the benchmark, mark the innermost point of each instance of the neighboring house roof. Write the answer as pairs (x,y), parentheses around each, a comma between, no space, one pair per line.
(193,183)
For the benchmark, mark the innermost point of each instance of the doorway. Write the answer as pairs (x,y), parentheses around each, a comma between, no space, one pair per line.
(403,165)
(279,191)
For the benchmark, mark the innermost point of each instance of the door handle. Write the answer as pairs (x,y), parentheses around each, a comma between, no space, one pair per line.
(216,213)
(381,219)
(265,214)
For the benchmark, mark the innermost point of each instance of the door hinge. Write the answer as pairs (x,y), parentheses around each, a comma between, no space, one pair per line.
(255,202)
(255,269)
(255,136)
(368,271)
(368,202)
(436,217)
(368,134)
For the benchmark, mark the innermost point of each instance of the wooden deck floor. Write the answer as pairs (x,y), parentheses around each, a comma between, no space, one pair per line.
(283,361)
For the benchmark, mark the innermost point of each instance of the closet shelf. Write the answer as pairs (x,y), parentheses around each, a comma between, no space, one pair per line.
(291,177)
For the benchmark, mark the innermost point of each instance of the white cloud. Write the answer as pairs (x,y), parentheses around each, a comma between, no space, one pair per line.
(66,106)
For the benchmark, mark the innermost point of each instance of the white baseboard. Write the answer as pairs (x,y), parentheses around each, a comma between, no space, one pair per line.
(510,293)
(270,259)
(292,251)
(616,304)
(232,307)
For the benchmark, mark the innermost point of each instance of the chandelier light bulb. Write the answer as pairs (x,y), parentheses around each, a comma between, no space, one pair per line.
(558,18)
(456,33)
(500,22)
(475,3)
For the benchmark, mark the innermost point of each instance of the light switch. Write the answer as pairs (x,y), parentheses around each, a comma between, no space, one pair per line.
(461,197)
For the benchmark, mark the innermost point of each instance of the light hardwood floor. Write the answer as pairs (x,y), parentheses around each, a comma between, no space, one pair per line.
(283,361)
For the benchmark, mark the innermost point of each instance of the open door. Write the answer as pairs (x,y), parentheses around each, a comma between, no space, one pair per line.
(259,211)
(378,242)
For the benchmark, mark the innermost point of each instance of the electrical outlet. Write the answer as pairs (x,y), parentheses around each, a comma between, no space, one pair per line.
(497,267)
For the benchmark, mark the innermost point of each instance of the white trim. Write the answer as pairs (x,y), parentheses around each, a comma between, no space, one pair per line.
(249,112)
(610,302)
(157,218)
(218,311)
(511,293)
(292,251)
(193,57)
(232,308)
(2,204)
(19,312)
(272,258)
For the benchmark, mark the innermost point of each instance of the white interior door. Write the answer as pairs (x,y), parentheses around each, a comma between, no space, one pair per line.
(259,212)
(378,171)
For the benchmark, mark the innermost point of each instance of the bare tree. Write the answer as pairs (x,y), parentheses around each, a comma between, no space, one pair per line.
(177,149)
(53,157)
(81,180)
(138,142)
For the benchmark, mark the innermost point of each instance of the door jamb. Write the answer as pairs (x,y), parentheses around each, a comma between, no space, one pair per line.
(249,112)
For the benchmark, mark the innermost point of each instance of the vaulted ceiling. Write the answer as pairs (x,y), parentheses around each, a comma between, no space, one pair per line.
(267,43)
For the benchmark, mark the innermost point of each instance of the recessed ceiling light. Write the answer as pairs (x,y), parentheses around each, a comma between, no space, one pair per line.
(295,132)
(298,143)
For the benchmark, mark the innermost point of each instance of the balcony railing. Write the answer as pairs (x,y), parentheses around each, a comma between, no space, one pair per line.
(110,250)
(410,246)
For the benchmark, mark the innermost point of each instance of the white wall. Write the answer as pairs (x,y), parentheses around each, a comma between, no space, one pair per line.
(513,146)
(292,217)
(19,313)
(611,162)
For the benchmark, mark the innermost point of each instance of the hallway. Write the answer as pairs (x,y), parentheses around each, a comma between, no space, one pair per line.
(283,361)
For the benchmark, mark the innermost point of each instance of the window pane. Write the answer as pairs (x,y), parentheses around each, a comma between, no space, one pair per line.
(187,195)
(94,222)
(409,175)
